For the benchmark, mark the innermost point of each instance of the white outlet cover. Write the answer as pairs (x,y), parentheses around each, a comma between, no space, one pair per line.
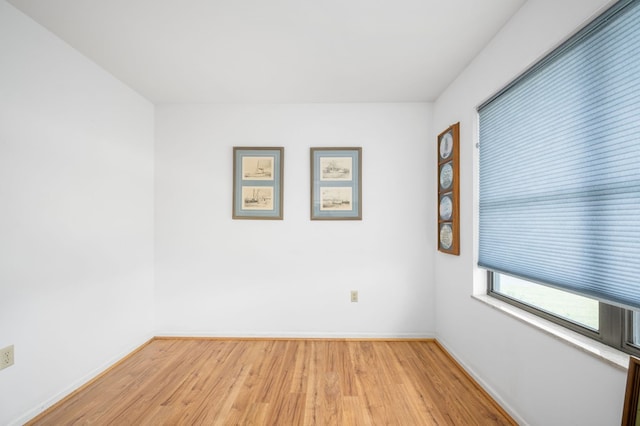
(6,357)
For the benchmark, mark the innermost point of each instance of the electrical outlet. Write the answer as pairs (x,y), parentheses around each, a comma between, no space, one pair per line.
(6,357)
(354,296)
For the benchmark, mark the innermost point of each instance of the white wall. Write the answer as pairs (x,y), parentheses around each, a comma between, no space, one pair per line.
(542,380)
(218,276)
(76,217)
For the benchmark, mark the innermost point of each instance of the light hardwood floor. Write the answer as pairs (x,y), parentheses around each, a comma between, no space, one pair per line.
(281,382)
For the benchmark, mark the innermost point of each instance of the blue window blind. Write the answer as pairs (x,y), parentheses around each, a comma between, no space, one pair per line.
(560,166)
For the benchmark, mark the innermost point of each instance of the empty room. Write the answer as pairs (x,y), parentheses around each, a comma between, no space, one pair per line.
(197,221)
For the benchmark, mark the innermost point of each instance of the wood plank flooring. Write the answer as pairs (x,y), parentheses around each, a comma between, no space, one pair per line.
(281,382)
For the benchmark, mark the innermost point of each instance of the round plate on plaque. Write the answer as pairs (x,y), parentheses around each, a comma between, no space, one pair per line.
(446,236)
(446,207)
(446,176)
(446,145)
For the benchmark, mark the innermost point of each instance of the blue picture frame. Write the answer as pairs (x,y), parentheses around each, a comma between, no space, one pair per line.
(336,183)
(258,183)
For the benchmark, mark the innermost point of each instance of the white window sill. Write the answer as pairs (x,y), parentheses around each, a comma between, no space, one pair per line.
(601,351)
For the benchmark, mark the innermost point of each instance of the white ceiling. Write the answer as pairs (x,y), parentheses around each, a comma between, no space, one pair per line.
(278,50)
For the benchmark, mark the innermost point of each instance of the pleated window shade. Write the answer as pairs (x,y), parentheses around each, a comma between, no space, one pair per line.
(560,166)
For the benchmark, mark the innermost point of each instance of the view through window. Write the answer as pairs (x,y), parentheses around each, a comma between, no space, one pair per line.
(571,307)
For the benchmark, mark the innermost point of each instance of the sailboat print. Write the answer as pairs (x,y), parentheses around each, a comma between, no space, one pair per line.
(257,198)
(257,168)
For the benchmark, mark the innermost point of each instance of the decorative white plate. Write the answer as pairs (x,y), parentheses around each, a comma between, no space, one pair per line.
(446,145)
(446,207)
(446,236)
(446,176)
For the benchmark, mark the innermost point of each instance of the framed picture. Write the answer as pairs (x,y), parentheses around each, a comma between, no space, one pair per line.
(257,182)
(336,183)
(448,190)
(631,410)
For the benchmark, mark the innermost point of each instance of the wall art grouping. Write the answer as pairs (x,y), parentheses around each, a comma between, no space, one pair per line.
(336,183)
(448,190)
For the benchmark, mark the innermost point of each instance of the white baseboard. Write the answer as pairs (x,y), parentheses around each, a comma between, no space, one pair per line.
(40,408)
(495,395)
(296,335)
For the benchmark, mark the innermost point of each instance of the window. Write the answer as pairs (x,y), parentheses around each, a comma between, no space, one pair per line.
(598,320)
(579,310)
(560,183)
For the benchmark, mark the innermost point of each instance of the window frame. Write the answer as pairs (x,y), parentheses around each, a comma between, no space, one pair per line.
(615,323)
